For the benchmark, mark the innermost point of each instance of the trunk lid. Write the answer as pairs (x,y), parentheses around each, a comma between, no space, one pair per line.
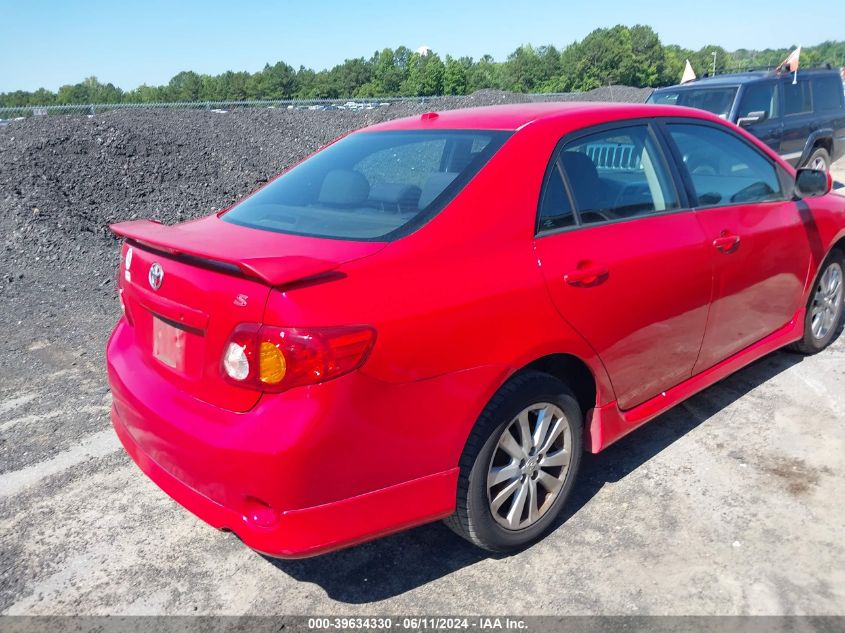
(186,287)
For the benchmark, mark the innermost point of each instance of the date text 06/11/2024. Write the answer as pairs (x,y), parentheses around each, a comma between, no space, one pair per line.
(416,623)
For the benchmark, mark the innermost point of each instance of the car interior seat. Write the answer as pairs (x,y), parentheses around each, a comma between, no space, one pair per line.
(434,186)
(344,188)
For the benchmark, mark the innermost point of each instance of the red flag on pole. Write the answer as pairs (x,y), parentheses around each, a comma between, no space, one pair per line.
(791,63)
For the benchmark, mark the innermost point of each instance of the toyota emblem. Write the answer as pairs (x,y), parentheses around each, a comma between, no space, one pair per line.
(156,276)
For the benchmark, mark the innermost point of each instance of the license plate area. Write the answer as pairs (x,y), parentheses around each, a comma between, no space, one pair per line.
(168,344)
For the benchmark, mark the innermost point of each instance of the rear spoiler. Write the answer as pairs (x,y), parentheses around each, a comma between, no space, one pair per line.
(175,242)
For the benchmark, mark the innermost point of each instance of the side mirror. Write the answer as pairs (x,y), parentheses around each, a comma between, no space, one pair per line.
(752,117)
(810,183)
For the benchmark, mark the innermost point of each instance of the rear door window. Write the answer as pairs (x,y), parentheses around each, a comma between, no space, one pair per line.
(555,207)
(370,185)
(614,174)
(797,97)
(723,168)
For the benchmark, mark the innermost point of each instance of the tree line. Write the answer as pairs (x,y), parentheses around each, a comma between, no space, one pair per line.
(621,55)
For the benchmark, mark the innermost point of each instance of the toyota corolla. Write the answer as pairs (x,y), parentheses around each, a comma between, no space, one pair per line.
(433,318)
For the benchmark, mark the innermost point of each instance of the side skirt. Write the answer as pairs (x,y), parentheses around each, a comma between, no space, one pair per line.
(609,423)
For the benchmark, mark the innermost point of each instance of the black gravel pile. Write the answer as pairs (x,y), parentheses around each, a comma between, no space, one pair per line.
(63,179)
(621,94)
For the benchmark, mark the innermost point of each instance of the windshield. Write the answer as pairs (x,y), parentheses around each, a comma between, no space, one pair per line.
(715,100)
(370,185)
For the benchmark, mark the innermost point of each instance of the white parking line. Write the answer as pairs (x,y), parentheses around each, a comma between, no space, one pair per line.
(98,445)
(25,419)
(14,403)
(42,417)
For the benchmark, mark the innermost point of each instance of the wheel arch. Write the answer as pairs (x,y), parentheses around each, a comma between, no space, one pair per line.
(825,142)
(590,384)
(572,371)
(820,255)
(837,245)
(578,367)
(807,345)
(819,138)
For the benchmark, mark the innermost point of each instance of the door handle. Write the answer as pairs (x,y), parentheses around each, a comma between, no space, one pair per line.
(586,276)
(726,242)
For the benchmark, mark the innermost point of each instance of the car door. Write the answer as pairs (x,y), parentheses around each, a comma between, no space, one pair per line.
(757,97)
(624,264)
(798,119)
(759,245)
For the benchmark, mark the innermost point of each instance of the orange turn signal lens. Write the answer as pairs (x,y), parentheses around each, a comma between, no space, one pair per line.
(271,364)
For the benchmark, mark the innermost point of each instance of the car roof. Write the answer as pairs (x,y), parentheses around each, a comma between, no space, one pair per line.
(735,79)
(515,116)
(732,79)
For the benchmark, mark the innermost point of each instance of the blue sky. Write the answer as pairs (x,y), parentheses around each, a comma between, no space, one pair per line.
(50,43)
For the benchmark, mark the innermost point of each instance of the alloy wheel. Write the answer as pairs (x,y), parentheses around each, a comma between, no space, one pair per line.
(529,466)
(827,301)
(819,164)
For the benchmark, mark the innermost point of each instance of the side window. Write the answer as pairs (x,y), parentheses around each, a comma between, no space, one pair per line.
(555,209)
(796,97)
(617,174)
(663,98)
(724,169)
(827,93)
(760,97)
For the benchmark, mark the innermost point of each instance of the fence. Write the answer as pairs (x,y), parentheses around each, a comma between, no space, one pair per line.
(346,103)
(343,103)
(614,156)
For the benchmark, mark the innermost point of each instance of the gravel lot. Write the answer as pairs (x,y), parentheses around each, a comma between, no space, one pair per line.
(730,503)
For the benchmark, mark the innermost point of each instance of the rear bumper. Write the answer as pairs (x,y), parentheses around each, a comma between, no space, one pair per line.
(306,471)
(310,531)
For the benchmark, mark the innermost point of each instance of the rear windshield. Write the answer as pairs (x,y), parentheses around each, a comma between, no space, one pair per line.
(370,185)
(715,100)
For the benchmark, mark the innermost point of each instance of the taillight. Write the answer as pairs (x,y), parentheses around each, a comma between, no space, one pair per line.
(124,276)
(270,358)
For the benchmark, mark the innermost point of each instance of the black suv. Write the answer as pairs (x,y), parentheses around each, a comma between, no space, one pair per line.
(803,121)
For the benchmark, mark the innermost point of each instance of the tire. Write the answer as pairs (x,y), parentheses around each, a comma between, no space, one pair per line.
(819,159)
(501,530)
(824,307)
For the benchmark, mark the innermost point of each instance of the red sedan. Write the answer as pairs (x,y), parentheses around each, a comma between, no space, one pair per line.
(434,317)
